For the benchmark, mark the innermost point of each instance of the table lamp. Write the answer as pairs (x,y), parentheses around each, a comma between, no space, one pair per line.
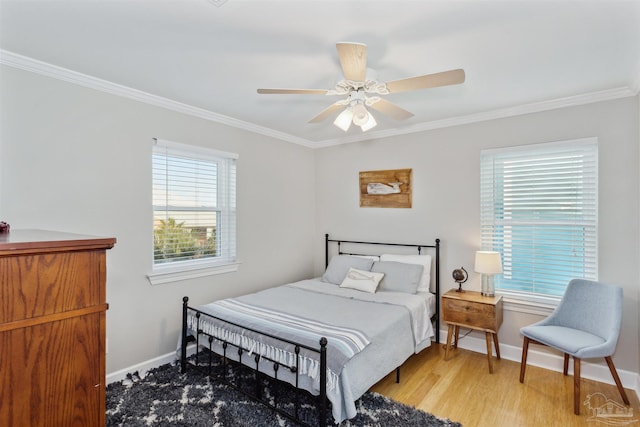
(488,263)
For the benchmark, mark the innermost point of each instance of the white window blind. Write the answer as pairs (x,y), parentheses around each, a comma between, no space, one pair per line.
(539,209)
(194,206)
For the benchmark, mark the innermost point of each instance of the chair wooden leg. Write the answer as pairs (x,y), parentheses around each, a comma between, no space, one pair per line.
(576,386)
(566,364)
(523,363)
(616,378)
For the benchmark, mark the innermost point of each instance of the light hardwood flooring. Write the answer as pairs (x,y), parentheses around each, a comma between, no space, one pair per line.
(462,390)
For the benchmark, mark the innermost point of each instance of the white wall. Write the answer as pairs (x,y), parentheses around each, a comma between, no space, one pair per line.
(74,159)
(446,201)
(78,160)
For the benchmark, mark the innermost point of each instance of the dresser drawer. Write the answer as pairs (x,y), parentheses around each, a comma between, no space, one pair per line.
(42,284)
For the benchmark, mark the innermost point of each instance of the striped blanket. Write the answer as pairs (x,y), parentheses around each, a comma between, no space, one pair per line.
(343,342)
(349,340)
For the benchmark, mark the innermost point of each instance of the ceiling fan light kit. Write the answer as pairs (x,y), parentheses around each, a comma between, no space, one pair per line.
(359,82)
(360,114)
(369,124)
(344,119)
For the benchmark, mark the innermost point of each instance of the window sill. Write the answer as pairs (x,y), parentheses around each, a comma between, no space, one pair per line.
(530,304)
(173,274)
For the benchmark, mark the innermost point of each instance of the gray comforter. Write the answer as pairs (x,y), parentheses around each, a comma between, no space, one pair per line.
(368,335)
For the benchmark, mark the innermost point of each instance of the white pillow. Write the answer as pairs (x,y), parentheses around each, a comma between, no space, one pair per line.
(361,280)
(373,258)
(423,260)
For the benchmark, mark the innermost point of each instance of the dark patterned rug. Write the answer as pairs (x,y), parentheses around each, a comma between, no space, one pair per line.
(164,397)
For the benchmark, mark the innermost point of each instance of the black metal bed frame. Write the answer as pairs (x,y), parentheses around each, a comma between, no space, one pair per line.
(321,350)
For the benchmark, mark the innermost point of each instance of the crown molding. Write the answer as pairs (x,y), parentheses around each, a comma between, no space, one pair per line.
(49,70)
(39,67)
(536,107)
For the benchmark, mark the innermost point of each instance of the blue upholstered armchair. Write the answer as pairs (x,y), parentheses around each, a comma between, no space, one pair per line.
(585,325)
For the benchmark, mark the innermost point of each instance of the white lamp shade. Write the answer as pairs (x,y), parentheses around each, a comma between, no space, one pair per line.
(343,121)
(488,262)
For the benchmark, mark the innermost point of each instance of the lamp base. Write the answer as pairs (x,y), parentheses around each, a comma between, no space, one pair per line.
(488,286)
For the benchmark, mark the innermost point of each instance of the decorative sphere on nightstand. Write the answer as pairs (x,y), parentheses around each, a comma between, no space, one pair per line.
(460,276)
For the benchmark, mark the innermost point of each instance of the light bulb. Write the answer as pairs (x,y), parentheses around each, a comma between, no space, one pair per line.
(360,114)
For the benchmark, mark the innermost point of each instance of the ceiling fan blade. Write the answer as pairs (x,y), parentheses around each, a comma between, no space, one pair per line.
(445,78)
(327,112)
(391,109)
(353,59)
(293,91)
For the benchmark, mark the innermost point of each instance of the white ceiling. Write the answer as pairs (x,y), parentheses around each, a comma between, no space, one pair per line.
(519,56)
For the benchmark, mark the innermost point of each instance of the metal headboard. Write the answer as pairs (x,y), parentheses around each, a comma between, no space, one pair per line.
(435,247)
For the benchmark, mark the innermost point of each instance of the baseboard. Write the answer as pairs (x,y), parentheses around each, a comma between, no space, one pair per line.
(147,365)
(553,362)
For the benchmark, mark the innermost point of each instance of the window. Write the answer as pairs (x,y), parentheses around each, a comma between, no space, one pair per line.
(539,209)
(194,209)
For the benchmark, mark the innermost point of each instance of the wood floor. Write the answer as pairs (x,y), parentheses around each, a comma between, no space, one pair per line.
(462,390)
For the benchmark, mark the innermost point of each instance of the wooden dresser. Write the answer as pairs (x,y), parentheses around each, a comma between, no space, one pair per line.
(52,329)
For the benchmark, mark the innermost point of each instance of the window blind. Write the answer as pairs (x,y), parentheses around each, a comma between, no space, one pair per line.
(194,205)
(539,209)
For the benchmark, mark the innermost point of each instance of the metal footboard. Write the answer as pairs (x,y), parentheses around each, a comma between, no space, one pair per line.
(205,340)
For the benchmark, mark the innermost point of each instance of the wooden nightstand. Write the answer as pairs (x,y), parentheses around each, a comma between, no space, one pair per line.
(470,309)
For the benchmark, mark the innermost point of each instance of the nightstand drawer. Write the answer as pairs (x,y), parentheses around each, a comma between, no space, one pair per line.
(470,313)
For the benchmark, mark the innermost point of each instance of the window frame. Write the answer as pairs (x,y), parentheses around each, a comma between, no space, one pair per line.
(226,187)
(521,300)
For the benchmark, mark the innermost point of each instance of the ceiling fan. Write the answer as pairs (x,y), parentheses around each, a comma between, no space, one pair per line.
(362,90)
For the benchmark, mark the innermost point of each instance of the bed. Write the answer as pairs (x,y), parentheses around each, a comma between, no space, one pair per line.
(333,336)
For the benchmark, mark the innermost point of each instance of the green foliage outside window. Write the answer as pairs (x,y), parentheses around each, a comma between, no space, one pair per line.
(173,241)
